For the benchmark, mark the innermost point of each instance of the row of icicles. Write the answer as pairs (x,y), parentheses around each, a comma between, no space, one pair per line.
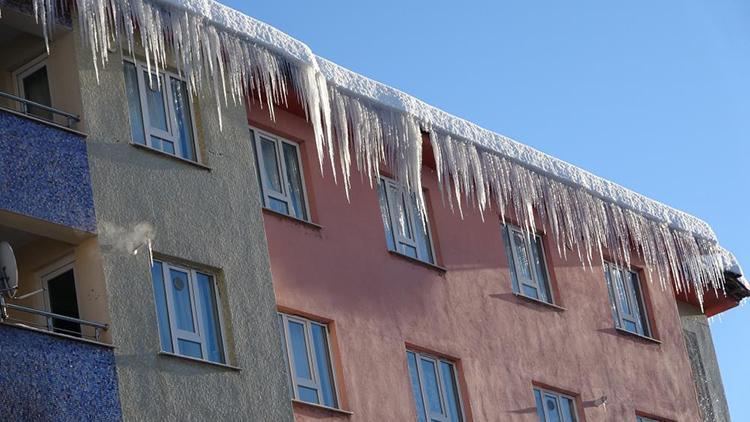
(352,130)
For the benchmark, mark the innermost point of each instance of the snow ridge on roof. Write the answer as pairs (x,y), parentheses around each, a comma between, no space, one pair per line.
(240,55)
(388,96)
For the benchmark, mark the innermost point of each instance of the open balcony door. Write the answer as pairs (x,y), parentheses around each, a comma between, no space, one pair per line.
(62,299)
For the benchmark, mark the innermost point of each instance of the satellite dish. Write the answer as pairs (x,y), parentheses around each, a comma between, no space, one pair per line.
(8,271)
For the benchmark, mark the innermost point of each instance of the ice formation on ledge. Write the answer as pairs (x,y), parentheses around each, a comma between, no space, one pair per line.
(362,122)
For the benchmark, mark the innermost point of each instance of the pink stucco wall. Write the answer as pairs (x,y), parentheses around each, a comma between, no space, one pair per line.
(379,303)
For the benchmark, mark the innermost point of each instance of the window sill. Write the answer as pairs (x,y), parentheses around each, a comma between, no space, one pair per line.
(283,216)
(301,403)
(438,268)
(174,157)
(205,362)
(539,302)
(636,335)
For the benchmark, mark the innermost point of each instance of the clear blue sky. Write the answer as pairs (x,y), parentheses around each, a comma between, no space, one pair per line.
(654,95)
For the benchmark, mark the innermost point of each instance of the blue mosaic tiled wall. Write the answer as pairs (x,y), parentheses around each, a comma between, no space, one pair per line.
(48,378)
(44,173)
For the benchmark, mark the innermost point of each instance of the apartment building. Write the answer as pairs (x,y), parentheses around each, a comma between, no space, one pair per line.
(85,200)
(468,318)
(184,255)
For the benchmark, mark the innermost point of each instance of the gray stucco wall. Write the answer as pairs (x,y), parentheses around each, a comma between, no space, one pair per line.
(207,217)
(708,385)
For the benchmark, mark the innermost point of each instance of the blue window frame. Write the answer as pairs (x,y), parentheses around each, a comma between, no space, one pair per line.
(279,169)
(435,388)
(308,352)
(188,312)
(406,231)
(160,113)
(626,300)
(528,267)
(555,407)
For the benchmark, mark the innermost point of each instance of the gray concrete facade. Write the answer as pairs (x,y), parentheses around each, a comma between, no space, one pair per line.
(706,375)
(205,216)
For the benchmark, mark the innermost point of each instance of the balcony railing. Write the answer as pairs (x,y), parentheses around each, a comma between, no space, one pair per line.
(70,118)
(50,317)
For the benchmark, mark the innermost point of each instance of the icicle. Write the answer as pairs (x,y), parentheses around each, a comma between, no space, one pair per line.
(574,214)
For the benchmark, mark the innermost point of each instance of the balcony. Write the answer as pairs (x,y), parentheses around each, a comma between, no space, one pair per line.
(56,361)
(45,377)
(44,173)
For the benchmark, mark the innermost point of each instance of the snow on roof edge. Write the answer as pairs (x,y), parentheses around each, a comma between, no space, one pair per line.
(387,96)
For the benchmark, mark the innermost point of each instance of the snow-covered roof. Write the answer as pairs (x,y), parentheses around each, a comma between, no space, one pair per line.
(388,96)
(239,54)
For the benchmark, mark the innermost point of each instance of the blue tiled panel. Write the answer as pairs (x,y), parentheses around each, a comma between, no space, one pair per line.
(48,378)
(44,173)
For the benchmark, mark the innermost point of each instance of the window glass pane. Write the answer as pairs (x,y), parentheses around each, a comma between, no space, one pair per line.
(36,89)
(568,409)
(408,250)
(294,177)
(157,114)
(523,262)
(134,104)
(272,178)
(184,119)
(539,405)
(622,295)
(402,219)
(286,354)
(451,391)
(181,301)
(431,387)
(278,206)
(511,262)
(422,235)
(385,213)
(638,305)
(529,291)
(308,394)
(210,318)
(612,295)
(323,364)
(162,314)
(416,389)
(541,269)
(299,350)
(162,144)
(551,408)
(189,348)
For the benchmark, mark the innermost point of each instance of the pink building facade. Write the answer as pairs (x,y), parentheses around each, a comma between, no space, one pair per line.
(382,308)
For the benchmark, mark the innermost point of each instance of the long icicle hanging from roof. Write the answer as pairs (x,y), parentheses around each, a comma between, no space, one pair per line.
(234,67)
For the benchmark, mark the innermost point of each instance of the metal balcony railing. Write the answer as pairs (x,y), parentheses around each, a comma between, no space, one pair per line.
(71,119)
(51,317)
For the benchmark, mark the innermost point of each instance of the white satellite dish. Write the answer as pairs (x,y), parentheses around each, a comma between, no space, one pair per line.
(8,271)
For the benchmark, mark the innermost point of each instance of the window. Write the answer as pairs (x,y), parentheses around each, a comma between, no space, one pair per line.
(554,407)
(187,308)
(435,388)
(406,230)
(59,283)
(645,419)
(308,353)
(160,113)
(626,299)
(33,85)
(528,269)
(280,174)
